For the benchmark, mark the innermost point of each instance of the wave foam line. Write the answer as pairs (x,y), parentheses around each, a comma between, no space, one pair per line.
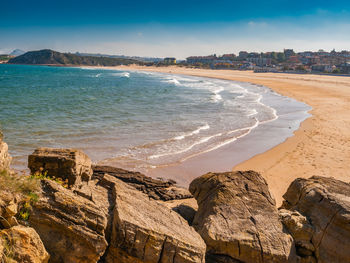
(122,74)
(156,156)
(231,140)
(181,137)
(173,81)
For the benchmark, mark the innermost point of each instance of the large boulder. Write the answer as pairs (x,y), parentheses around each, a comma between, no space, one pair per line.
(325,202)
(68,164)
(5,158)
(154,188)
(71,227)
(144,230)
(22,244)
(238,220)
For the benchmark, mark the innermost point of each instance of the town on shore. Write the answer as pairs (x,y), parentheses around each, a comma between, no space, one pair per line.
(288,61)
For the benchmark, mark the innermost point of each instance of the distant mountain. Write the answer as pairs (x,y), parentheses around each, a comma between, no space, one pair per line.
(50,57)
(144,59)
(17,52)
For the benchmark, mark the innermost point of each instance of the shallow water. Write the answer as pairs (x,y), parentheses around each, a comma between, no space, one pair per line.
(134,119)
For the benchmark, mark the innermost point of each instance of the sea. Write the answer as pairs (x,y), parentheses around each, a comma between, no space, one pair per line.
(137,120)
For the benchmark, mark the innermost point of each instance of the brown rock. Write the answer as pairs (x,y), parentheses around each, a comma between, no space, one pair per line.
(155,189)
(325,202)
(186,208)
(71,227)
(68,164)
(300,229)
(5,158)
(238,220)
(147,231)
(8,209)
(22,244)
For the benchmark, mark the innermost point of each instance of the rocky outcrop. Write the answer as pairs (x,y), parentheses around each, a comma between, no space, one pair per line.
(146,231)
(325,203)
(103,219)
(71,227)
(238,220)
(5,158)
(155,189)
(22,244)
(68,164)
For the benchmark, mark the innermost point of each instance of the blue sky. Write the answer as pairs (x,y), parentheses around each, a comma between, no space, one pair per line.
(174,28)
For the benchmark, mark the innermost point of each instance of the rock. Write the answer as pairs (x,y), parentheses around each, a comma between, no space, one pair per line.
(238,220)
(5,158)
(71,227)
(11,209)
(8,209)
(147,231)
(155,189)
(8,222)
(22,244)
(68,164)
(186,208)
(325,202)
(300,229)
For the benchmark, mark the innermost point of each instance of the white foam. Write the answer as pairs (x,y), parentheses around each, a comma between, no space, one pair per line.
(216,96)
(173,81)
(228,141)
(121,74)
(97,75)
(196,131)
(203,140)
(253,112)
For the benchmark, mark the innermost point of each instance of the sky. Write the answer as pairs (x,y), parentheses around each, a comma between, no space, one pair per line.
(178,28)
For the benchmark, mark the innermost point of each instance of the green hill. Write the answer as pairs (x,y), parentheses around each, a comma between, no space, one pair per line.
(50,57)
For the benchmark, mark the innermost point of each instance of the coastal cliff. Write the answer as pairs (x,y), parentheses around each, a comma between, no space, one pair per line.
(71,211)
(51,57)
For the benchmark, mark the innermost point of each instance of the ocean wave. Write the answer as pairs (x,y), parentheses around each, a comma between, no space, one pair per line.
(121,74)
(227,141)
(201,141)
(216,96)
(173,81)
(196,131)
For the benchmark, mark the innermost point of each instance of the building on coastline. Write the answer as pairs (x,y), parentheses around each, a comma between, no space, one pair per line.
(243,54)
(345,68)
(247,66)
(323,68)
(169,61)
(228,56)
(288,52)
(260,62)
(201,59)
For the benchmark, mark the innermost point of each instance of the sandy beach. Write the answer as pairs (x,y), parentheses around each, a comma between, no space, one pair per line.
(321,146)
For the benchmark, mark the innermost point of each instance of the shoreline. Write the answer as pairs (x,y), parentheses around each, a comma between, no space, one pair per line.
(321,144)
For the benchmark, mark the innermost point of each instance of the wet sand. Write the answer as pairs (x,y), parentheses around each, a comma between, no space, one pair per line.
(321,146)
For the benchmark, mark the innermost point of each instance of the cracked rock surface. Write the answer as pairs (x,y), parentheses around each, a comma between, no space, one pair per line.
(71,227)
(325,203)
(146,231)
(238,219)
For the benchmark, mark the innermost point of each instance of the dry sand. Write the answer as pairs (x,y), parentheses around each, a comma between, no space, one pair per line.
(321,146)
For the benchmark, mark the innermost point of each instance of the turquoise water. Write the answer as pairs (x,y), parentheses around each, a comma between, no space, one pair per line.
(137,119)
